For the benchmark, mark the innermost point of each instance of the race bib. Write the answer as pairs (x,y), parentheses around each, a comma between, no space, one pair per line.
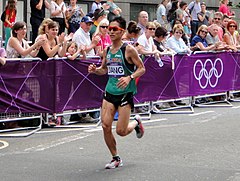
(115,70)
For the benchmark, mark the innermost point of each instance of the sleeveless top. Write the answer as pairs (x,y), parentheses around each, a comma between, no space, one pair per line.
(118,66)
(42,54)
(12,53)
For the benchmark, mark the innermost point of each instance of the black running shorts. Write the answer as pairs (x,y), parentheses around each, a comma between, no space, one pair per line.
(120,100)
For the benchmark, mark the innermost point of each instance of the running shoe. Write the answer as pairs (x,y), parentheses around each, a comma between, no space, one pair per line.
(139,128)
(114,164)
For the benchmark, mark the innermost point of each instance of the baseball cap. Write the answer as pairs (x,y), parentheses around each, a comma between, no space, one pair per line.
(87,19)
(99,12)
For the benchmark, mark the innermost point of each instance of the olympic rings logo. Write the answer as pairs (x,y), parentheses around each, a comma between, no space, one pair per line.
(211,75)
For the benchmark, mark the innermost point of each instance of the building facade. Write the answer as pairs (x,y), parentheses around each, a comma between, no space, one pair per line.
(130,9)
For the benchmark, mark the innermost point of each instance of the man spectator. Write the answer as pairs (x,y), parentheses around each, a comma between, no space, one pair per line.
(161,14)
(82,36)
(194,8)
(142,21)
(98,16)
(203,15)
(37,15)
(218,21)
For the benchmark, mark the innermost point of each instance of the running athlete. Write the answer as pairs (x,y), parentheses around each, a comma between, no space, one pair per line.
(123,65)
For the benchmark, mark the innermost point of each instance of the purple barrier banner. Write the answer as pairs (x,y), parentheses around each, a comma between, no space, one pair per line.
(58,85)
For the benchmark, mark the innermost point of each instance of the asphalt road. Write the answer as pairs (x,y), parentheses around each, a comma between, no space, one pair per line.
(176,147)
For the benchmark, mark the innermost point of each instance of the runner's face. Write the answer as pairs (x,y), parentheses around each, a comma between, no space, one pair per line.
(115,31)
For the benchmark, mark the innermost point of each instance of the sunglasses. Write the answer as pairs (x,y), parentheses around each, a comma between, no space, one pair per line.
(204,31)
(105,27)
(232,26)
(217,18)
(115,28)
(152,29)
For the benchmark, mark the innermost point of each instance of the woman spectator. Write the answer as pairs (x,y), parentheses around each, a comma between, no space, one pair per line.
(58,9)
(203,15)
(224,9)
(11,12)
(53,45)
(132,33)
(74,14)
(199,40)
(145,41)
(18,47)
(175,42)
(102,32)
(231,36)
(43,28)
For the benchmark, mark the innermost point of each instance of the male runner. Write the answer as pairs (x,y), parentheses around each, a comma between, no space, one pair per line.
(119,62)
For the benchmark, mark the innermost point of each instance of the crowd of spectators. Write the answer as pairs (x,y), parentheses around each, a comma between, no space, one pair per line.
(178,27)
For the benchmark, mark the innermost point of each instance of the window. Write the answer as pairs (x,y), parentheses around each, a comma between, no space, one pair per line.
(136,8)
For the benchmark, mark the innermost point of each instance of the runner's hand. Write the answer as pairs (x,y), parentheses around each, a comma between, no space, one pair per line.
(92,68)
(123,82)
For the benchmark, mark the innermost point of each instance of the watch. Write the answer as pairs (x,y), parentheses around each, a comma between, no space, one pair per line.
(131,76)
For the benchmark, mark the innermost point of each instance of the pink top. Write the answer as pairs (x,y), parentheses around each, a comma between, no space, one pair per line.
(105,41)
(225,9)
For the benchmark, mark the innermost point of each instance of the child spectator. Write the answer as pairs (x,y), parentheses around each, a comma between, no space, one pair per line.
(74,52)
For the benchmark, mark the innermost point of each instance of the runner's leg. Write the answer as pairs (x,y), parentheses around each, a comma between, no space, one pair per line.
(107,116)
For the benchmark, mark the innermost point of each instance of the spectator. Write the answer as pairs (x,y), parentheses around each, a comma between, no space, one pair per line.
(161,35)
(17,46)
(74,52)
(114,10)
(53,45)
(3,56)
(212,37)
(43,28)
(175,42)
(231,36)
(224,9)
(132,33)
(199,40)
(218,21)
(203,15)
(37,15)
(180,11)
(142,21)
(225,21)
(98,16)
(194,8)
(145,41)
(11,12)
(74,13)
(58,9)
(95,5)
(172,13)
(82,36)
(161,14)
(102,32)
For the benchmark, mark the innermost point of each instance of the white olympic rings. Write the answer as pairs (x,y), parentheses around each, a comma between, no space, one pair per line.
(208,73)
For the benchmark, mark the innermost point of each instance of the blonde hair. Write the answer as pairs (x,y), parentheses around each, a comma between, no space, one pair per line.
(201,28)
(101,23)
(178,27)
(45,22)
(150,24)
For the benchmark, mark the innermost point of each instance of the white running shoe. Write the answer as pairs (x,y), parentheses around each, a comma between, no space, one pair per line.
(139,128)
(114,164)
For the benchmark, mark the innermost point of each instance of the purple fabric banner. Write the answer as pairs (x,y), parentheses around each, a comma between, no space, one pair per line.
(60,85)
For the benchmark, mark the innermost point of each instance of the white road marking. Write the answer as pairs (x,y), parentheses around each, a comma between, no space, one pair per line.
(201,113)
(4,144)
(235,107)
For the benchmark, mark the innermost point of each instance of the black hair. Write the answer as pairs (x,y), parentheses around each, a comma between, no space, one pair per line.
(183,3)
(133,28)
(161,31)
(121,21)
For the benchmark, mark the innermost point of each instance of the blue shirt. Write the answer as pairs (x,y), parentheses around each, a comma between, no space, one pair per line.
(197,39)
